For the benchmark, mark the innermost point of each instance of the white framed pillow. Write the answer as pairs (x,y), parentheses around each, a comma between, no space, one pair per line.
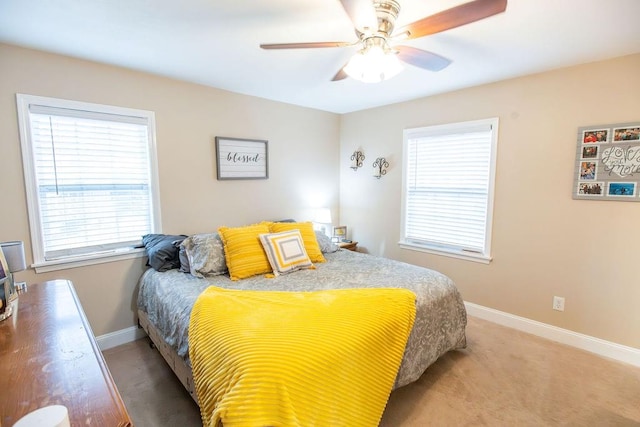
(286,252)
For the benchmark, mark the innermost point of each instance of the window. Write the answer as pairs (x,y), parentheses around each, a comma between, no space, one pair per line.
(448,189)
(91,180)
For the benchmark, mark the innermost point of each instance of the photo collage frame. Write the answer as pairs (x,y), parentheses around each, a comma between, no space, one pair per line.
(608,162)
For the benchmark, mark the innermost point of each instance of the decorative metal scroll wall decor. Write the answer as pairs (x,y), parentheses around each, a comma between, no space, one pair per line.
(381,166)
(356,160)
(607,165)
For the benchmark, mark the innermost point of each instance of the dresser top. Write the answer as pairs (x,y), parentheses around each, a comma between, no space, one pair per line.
(49,356)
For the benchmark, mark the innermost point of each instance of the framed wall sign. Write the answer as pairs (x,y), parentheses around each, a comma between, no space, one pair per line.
(607,163)
(241,158)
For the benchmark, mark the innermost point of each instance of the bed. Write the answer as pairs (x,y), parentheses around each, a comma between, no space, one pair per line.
(166,299)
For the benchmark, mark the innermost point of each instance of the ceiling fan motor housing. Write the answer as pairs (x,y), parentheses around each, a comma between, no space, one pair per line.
(387,11)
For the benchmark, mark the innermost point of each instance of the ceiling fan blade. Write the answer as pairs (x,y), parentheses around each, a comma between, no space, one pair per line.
(340,75)
(452,18)
(422,58)
(361,13)
(304,45)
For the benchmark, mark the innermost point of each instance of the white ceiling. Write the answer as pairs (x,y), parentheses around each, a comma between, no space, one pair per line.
(216,43)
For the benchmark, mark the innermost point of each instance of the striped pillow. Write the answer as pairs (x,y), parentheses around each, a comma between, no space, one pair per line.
(243,250)
(308,237)
(285,252)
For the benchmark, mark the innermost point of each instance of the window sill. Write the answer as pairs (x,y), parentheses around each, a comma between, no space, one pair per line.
(86,260)
(448,252)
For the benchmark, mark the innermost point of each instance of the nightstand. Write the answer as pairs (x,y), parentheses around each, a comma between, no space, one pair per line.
(351,246)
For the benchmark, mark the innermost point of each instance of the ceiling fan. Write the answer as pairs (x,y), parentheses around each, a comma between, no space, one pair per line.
(379,56)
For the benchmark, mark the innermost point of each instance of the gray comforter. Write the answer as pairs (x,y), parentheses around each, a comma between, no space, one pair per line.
(168,298)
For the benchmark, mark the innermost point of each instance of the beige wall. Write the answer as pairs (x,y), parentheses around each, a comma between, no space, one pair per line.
(303,151)
(544,242)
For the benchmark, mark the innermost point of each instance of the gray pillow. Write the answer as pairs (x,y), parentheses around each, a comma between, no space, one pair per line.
(325,243)
(184,260)
(205,254)
(162,250)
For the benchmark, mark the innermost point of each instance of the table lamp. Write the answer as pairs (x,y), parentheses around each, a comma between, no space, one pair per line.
(322,219)
(14,257)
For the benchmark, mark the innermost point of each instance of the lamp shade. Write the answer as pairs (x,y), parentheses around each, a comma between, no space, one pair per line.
(14,254)
(322,216)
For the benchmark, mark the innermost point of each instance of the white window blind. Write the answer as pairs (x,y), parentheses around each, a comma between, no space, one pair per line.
(448,187)
(91,169)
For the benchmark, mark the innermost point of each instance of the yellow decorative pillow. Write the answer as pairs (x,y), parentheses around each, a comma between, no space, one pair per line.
(286,252)
(243,250)
(308,237)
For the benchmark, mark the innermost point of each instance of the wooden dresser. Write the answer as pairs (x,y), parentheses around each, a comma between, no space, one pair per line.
(49,356)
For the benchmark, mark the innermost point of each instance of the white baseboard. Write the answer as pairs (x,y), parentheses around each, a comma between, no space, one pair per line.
(123,336)
(591,344)
(598,346)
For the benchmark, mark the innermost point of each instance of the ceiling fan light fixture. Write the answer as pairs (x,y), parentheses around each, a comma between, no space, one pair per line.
(374,23)
(374,63)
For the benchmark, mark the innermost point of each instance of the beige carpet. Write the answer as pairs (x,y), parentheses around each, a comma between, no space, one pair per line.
(503,378)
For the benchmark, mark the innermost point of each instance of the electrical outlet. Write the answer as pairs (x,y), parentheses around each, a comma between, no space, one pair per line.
(558,303)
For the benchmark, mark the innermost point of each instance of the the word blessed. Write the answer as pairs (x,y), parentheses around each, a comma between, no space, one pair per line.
(243,157)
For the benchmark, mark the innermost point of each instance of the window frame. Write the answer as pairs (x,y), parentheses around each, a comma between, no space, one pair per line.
(445,250)
(40,264)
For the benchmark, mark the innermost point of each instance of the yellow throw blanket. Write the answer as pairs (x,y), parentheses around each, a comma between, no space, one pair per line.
(324,358)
